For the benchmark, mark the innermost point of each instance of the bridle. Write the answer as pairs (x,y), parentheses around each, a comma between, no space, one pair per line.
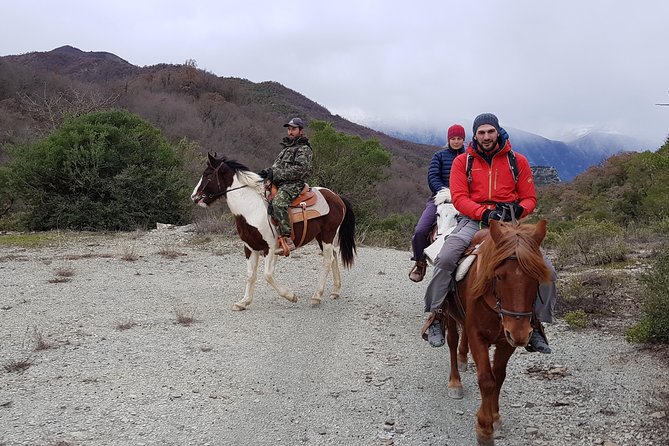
(498,304)
(218,182)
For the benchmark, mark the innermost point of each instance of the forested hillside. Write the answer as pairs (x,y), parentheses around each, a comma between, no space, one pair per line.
(230,116)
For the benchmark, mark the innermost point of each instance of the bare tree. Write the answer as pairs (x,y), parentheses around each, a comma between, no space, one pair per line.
(53,108)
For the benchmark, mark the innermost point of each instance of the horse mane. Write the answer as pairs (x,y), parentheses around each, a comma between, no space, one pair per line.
(244,174)
(516,241)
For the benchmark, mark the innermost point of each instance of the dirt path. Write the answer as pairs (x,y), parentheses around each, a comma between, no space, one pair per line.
(122,371)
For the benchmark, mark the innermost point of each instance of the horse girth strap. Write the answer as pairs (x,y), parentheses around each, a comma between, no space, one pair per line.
(304,223)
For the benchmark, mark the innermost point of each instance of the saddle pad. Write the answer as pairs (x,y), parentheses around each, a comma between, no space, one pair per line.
(321,207)
(466,263)
(464,266)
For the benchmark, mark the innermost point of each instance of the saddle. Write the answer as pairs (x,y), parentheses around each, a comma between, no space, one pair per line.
(308,205)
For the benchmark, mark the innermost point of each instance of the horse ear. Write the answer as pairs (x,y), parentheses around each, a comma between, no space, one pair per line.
(540,231)
(495,231)
(211,159)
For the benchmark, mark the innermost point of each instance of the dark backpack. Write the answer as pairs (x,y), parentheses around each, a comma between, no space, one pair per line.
(511,158)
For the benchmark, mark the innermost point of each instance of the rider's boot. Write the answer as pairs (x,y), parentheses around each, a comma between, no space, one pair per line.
(418,271)
(538,341)
(433,330)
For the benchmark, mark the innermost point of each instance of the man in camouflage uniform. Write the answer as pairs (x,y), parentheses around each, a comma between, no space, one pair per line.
(289,172)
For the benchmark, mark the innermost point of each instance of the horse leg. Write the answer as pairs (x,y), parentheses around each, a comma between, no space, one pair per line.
(251,276)
(327,265)
(487,387)
(270,264)
(463,351)
(336,276)
(452,337)
(503,352)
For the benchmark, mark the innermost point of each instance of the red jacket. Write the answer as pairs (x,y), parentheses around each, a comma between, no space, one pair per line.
(491,183)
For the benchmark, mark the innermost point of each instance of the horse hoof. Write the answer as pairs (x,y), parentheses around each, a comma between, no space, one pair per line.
(238,307)
(314,302)
(290,297)
(487,441)
(334,296)
(456,393)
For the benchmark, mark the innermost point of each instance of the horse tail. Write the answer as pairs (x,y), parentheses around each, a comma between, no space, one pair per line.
(347,235)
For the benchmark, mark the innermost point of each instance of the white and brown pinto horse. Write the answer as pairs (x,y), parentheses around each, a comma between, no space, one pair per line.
(245,194)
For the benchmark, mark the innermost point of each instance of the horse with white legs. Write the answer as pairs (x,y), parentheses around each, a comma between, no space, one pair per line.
(245,194)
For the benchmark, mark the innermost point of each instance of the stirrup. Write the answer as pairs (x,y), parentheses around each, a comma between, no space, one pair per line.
(285,248)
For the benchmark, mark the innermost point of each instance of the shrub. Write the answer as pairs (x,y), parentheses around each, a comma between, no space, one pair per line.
(576,319)
(592,243)
(394,231)
(105,170)
(350,166)
(598,293)
(654,325)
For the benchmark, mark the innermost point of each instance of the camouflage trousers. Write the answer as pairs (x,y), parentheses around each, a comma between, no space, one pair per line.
(287,193)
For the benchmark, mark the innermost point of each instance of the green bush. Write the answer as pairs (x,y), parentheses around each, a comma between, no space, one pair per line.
(350,166)
(393,231)
(105,170)
(576,319)
(654,325)
(591,243)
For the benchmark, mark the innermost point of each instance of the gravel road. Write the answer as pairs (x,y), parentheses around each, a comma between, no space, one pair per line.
(114,367)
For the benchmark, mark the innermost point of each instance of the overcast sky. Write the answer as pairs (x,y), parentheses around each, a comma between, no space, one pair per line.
(547,67)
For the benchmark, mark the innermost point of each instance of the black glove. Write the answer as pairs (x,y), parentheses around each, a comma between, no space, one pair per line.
(509,209)
(266,174)
(490,214)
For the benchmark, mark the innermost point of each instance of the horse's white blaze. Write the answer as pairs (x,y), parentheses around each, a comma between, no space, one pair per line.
(194,193)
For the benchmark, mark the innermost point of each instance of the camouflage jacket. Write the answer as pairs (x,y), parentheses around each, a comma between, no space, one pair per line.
(293,164)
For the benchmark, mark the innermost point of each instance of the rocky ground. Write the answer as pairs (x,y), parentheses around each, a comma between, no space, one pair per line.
(129,339)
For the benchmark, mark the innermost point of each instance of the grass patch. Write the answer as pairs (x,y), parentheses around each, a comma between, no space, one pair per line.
(126,325)
(28,240)
(129,254)
(13,258)
(18,366)
(64,271)
(41,342)
(576,319)
(89,255)
(59,279)
(184,316)
(170,253)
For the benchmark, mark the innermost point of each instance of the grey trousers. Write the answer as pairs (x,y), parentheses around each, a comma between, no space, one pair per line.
(447,261)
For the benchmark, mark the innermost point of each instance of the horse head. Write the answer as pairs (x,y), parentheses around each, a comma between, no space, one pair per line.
(513,266)
(214,183)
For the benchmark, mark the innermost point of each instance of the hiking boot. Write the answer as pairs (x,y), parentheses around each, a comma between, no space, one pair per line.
(538,343)
(418,271)
(286,246)
(435,336)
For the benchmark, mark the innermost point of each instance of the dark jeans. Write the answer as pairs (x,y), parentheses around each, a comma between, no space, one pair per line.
(421,235)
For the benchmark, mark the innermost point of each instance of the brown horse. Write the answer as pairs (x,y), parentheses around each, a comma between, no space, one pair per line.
(244,191)
(497,297)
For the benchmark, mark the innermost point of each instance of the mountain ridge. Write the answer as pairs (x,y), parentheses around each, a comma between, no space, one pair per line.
(228,115)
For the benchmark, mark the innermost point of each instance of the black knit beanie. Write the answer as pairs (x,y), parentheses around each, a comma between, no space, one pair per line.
(486,118)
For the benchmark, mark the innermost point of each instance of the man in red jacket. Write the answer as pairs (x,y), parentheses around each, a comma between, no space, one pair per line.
(480,192)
